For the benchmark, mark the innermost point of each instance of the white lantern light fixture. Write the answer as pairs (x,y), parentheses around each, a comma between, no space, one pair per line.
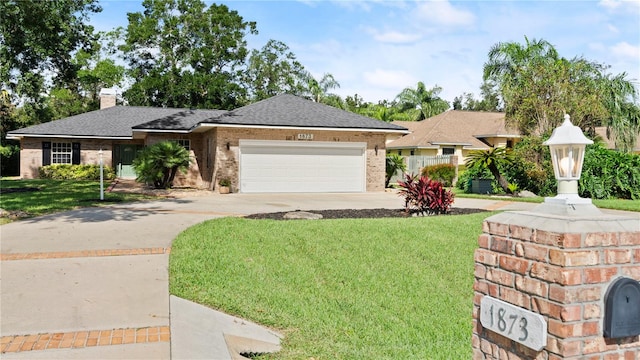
(567,145)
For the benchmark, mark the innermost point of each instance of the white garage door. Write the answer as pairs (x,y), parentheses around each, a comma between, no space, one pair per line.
(294,166)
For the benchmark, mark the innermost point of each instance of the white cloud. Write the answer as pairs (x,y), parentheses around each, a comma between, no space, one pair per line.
(615,5)
(443,13)
(393,36)
(613,29)
(624,49)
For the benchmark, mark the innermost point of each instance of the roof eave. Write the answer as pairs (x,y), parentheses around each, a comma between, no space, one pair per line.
(293,127)
(58,136)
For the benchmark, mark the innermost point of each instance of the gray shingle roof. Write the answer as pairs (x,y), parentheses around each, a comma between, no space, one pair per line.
(181,119)
(294,111)
(281,110)
(115,121)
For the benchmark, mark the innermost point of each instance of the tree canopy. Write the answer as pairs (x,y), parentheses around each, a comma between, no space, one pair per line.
(182,53)
(423,102)
(274,70)
(538,87)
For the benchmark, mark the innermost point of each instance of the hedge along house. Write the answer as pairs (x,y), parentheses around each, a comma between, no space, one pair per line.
(454,132)
(281,144)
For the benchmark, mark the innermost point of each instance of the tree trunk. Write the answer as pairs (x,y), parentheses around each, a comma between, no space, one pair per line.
(504,184)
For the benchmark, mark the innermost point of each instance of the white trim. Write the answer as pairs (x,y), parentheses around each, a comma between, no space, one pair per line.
(161,131)
(296,143)
(498,136)
(282,127)
(20,136)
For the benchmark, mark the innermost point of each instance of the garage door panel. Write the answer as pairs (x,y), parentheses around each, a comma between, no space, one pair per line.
(327,167)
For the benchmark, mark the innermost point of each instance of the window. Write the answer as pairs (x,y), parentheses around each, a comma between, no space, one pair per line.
(448,151)
(413,152)
(399,152)
(509,144)
(185,143)
(61,153)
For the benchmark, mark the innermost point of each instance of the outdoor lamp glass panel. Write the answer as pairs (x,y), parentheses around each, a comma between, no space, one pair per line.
(567,144)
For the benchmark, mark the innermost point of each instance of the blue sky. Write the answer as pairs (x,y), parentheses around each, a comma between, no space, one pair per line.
(377,48)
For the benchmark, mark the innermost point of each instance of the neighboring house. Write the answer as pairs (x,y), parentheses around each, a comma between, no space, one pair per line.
(281,144)
(602,132)
(454,132)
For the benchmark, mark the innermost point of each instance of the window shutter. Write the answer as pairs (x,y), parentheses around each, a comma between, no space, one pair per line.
(46,153)
(75,154)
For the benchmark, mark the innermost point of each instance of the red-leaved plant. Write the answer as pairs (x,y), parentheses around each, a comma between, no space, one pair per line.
(424,196)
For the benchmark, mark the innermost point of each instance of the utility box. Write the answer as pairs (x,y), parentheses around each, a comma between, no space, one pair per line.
(622,309)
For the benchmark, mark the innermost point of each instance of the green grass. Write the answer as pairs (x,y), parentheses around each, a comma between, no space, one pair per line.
(56,195)
(339,289)
(614,204)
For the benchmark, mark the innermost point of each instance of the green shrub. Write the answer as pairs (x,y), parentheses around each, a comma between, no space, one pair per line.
(75,172)
(608,174)
(444,173)
(531,168)
(465,177)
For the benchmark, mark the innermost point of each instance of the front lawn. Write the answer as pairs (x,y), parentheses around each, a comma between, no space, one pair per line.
(396,288)
(38,197)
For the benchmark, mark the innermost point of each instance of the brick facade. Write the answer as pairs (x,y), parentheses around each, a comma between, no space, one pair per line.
(211,159)
(559,267)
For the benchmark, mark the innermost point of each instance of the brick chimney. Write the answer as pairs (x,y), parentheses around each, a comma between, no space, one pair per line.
(107,98)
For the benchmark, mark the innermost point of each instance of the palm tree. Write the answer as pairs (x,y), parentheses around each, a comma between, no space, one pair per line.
(394,162)
(492,159)
(424,103)
(319,90)
(623,122)
(159,163)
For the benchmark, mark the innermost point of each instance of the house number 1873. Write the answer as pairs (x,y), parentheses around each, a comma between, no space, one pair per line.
(505,321)
(513,322)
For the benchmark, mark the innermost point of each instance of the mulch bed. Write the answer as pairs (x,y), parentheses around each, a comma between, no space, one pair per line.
(360,213)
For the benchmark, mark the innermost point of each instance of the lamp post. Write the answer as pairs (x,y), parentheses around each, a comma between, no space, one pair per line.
(567,144)
(101,176)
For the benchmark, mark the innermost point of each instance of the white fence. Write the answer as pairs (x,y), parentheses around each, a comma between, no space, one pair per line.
(415,163)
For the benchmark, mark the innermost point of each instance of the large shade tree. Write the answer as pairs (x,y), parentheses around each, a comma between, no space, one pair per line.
(182,53)
(538,87)
(274,70)
(38,40)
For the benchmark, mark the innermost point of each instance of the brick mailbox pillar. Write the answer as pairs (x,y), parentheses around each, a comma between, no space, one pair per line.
(553,268)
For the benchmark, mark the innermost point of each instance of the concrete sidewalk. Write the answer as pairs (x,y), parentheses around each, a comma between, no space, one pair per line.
(93,283)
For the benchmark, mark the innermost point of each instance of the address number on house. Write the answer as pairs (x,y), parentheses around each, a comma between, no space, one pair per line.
(305,136)
(515,323)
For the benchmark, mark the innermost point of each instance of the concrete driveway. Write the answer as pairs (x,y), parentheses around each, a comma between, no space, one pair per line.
(93,283)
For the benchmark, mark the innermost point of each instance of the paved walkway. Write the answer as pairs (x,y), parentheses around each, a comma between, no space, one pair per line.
(93,283)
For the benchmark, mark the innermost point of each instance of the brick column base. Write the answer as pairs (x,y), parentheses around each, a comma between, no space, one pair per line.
(559,267)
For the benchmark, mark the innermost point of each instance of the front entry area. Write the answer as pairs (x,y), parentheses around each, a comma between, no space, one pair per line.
(123,156)
(297,166)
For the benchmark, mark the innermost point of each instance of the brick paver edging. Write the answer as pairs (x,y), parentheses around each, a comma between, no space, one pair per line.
(82,339)
(84,253)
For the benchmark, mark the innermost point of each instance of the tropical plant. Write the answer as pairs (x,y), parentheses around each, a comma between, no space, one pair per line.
(609,174)
(318,90)
(421,102)
(159,163)
(424,196)
(393,164)
(493,159)
(538,87)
